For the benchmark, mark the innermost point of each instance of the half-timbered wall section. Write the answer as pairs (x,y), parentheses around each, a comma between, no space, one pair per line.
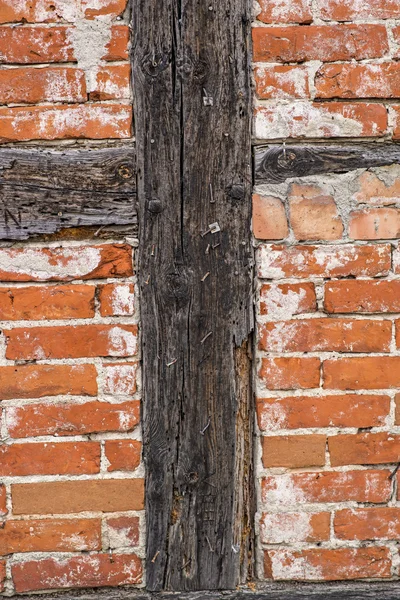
(326,223)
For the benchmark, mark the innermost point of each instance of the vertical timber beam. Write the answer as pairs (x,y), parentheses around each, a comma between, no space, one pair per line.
(192,103)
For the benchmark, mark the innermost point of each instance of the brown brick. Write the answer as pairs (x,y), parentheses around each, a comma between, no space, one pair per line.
(364,448)
(67,458)
(123,455)
(362,296)
(368,372)
(37,381)
(64,497)
(289,528)
(95,570)
(50,535)
(290,373)
(294,451)
(71,341)
(368,523)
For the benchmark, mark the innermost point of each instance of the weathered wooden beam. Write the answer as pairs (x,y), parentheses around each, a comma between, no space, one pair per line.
(42,192)
(192,101)
(274,164)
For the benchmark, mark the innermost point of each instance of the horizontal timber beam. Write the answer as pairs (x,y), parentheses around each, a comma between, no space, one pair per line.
(45,191)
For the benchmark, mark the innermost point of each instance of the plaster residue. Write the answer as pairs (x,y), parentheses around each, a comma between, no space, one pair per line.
(123,300)
(120,379)
(121,342)
(286,564)
(280,305)
(283,492)
(266,259)
(273,416)
(285,528)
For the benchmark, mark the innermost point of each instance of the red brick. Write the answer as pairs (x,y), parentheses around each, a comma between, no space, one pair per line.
(362,296)
(120,379)
(113,8)
(396,36)
(301,119)
(363,449)
(375,224)
(91,121)
(277,262)
(123,455)
(326,335)
(323,564)
(296,412)
(269,218)
(288,528)
(358,81)
(123,532)
(2,574)
(281,82)
(53,84)
(327,486)
(3,500)
(397,414)
(49,11)
(287,299)
(112,83)
(294,451)
(369,373)
(117,299)
(368,524)
(38,381)
(55,302)
(68,458)
(71,419)
(31,45)
(290,373)
(71,342)
(374,191)
(289,11)
(95,570)
(347,10)
(70,497)
(50,535)
(66,264)
(326,43)
(313,214)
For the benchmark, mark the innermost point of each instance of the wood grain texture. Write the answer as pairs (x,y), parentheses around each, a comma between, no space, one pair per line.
(274,164)
(42,192)
(192,101)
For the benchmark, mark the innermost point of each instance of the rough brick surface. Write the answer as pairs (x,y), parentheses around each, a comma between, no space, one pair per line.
(294,451)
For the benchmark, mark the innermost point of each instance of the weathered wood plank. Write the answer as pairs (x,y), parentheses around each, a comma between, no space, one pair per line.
(274,164)
(192,100)
(42,192)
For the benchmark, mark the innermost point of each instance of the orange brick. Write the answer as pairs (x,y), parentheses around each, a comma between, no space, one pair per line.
(397,414)
(287,299)
(71,419)
(326,335)
(374,191)
(294,451)
(362,296)
(55,302)
(296,412)
(113,8)
(52,84)
(368,372)
(289,528)
(71,342)
(123,532)
(281,82)
(347,10)
(95,570)
(371,485)
(269,218)
(368,523)
(31,45)
(68,458)
(38,381)
(313,215)
(326,43)
(117,299)
(49,11)
(2,574)
(348,260)
(50,535)
(323,564)
(364,448)
(123,455)
(302,119)
(396,35)
(290,373)
(396,115)
(70,497)
(112,83)
(93,121)
(120,379)
(358,81)
(288,11)
(3,500)
(66,264)
(375,224)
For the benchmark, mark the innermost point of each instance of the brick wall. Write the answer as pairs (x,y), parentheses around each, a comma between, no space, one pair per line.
(328,301)
(71,477)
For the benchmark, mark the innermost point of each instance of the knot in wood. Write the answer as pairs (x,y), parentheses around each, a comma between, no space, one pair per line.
(152,66)
(155,206)
(236,192)
(125,171)
(177,283)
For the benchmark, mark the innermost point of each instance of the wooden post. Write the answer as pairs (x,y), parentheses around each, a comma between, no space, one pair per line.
(192,101)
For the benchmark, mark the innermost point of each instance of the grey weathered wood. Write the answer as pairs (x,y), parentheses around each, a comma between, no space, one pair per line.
(42,192)
(274,164)
(192,101)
